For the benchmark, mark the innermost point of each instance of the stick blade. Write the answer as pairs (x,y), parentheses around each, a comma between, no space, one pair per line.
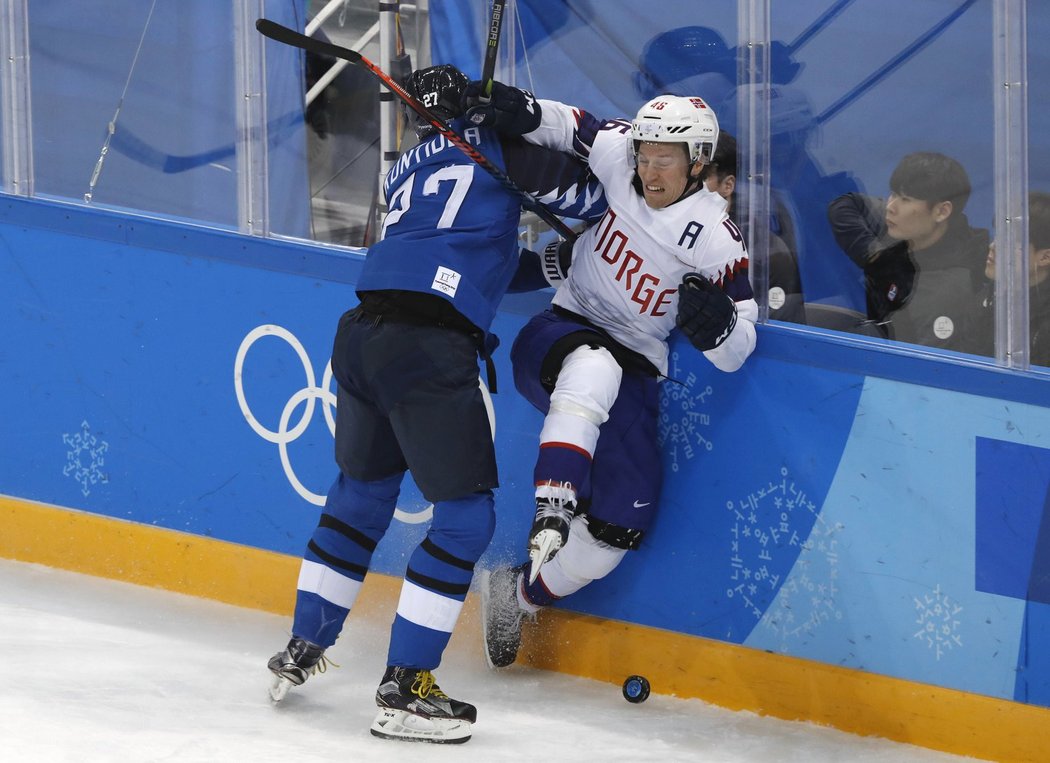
(280,33)
(271,29)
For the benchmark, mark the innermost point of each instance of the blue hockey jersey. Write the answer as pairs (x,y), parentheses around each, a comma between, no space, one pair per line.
(452,229)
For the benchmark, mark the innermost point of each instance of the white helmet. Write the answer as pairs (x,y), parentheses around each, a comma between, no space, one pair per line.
(677,119)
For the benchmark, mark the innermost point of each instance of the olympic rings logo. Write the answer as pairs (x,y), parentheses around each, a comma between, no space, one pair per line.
(310,394)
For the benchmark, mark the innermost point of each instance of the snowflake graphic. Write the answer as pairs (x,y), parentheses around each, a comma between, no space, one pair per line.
(772,525)
(938,623)
(85,458)
(681,418)
(807,599)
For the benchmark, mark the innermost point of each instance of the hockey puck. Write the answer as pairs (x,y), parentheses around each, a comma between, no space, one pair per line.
(636,689)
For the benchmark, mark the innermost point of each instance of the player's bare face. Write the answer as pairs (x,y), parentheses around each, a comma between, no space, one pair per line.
(663,169)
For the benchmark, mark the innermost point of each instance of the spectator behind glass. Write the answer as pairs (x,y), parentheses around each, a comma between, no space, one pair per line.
(1038,281)
(922,262)
(785,288)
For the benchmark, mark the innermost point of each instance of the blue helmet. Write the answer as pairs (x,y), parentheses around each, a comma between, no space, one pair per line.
(678,54)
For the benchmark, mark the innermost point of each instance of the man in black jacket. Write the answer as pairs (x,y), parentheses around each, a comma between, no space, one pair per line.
(1038,282)
(923,263)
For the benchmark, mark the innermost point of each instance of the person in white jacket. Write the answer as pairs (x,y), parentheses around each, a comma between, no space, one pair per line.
(664,255)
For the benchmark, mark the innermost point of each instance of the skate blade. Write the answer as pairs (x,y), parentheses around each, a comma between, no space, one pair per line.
(279,688)
(404,726)
(483,581)
(546,544)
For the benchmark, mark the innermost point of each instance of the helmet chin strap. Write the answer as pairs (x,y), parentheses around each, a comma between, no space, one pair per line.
(692,185)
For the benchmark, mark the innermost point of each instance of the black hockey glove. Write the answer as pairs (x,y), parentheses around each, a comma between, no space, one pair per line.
(557,259)
(706,314)
(508,109)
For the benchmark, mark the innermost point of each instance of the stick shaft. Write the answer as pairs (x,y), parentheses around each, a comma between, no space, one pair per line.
(288,36)
(488,70)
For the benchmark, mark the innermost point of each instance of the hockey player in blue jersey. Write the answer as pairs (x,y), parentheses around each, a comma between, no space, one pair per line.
(665,255)
(406,362)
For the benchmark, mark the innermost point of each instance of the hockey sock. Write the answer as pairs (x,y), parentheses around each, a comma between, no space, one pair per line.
(337,558)
(587,386)
(533,596)
(438,578)
(560,464)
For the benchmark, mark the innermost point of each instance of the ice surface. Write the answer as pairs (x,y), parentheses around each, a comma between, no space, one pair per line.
(99,670)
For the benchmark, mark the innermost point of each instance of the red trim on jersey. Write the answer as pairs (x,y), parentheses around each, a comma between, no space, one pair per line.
(732,270)
(556,483)
(567,446)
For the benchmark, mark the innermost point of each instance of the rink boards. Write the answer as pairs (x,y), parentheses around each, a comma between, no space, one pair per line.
(849,533)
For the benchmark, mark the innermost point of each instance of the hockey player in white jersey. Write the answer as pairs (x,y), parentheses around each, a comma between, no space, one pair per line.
(665,255)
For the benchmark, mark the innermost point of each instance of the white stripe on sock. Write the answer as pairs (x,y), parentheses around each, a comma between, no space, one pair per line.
(429,609)
(328,584)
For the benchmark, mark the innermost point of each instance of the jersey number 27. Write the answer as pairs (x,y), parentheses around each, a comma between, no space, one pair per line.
(460,175)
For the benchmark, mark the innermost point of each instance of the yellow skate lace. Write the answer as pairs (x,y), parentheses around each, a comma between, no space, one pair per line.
(425,685)
(322,665)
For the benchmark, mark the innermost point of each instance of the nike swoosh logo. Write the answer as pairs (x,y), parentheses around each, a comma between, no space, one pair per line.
(640,505)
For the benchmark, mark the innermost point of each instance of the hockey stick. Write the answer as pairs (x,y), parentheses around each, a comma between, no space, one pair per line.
(488,69)
(288,36)
(821,21)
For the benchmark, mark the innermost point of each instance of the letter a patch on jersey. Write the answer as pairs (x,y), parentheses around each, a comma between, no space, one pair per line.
(446,281)
(690,234)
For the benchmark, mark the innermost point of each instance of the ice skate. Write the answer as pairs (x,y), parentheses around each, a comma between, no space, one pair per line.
(413,708)
(292,666)
(500,615)
(555,507)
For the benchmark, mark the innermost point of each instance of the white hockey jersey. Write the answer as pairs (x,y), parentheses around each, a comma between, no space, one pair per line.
(627,268)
